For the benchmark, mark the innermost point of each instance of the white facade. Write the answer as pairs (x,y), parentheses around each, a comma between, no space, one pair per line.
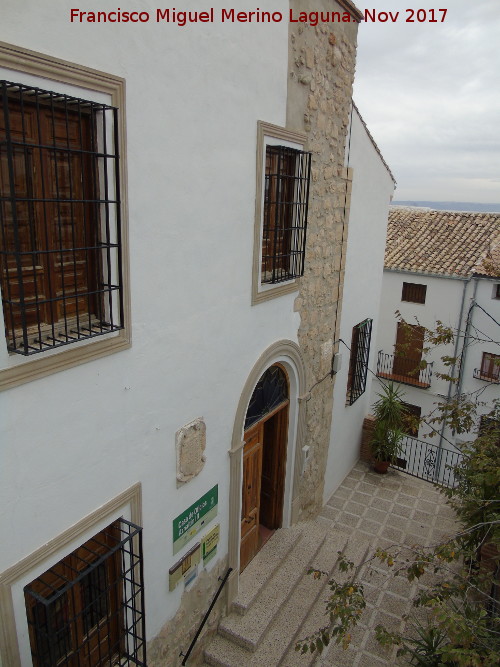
(372,190)
(449,300)
(96,441)
(74,440)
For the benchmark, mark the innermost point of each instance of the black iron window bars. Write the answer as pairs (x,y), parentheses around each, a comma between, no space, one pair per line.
(286,198)
(88,609)
(358,363)
(60,237)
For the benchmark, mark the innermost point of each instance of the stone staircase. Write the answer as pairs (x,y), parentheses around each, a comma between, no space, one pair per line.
(278,602)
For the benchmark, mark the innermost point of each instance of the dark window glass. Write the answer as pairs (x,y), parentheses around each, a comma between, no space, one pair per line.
(60,257)
(286,197)
(358,362)
(270,391)
(88,608)
(94,588)
(411,418)
(414,293)
(490,366)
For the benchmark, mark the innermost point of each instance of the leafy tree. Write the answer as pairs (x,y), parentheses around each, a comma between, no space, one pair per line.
(462,623)
(460,411)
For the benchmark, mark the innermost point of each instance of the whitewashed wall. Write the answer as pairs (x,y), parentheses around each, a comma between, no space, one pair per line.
(74,440)
(443,302)
(372,189)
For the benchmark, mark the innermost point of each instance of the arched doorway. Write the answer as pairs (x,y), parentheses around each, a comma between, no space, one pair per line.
(264,461)
(288,355)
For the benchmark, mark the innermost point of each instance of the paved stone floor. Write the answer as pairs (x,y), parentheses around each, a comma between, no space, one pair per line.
(388,509)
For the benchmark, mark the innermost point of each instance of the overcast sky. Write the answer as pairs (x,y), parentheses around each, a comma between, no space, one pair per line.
(430,95)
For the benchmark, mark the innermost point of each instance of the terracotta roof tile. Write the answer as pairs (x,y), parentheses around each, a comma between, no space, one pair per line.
(443,242)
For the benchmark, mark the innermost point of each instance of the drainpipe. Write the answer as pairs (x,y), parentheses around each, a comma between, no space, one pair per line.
(466,339)
(460,373)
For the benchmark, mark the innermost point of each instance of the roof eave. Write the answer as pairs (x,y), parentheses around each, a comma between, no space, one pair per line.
(352,9)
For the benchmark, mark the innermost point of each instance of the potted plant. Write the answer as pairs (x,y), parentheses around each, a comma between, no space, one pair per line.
(389,412)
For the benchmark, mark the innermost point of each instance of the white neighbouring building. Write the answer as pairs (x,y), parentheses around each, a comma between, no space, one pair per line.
(441,266)
(173,217)
(372,186)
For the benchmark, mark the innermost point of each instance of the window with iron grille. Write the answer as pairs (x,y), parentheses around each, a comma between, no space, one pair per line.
(60,237)
(286,197)
(88,609)
(490,367)
(358,363)
(413,292)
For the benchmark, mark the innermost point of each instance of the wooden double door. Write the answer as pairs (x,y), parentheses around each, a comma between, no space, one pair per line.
(263,485)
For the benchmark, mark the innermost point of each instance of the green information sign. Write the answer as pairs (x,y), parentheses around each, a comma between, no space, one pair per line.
(195,518)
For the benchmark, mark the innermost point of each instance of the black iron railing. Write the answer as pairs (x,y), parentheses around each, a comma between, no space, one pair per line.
(186,655)
(404,370)
(428,461)
(481,375)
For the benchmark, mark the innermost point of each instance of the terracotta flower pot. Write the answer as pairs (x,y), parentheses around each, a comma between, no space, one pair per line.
(381,466)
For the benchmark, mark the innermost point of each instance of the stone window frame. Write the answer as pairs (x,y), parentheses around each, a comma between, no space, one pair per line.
(269,134)
(54,72)
(127,504)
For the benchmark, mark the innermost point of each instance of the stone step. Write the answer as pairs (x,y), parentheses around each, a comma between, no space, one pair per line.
(287,623)
(260,570)
(358,548)
(248,630)
(222,652)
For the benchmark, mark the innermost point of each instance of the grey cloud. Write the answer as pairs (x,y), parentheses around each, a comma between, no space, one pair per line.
(430,94)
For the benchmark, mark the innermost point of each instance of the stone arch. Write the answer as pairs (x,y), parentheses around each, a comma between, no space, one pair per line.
(288,354)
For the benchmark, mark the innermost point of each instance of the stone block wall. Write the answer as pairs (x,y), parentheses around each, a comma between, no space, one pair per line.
(321,72)
(175,636)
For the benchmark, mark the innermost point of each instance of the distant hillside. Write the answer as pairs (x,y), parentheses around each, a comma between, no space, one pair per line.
(452,206)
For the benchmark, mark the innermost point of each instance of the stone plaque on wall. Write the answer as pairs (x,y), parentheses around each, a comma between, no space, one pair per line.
(190,450)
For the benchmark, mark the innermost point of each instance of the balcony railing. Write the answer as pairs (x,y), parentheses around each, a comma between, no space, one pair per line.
(428,461)
(404,370)
(487,377)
